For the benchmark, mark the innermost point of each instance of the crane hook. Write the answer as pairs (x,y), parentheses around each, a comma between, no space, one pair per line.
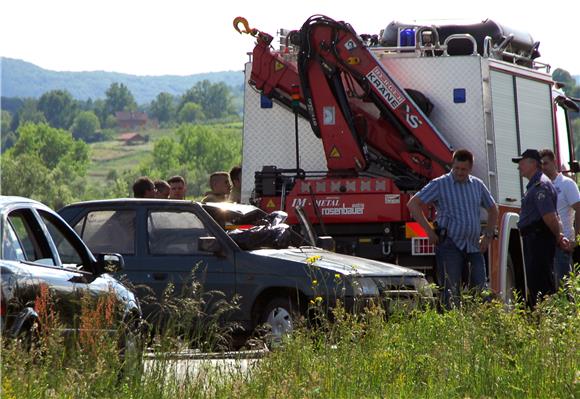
(244,22)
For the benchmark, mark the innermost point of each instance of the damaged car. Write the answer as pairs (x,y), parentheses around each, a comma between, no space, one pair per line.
(240,251)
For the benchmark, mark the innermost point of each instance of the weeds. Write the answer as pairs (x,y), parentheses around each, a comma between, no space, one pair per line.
(479,350)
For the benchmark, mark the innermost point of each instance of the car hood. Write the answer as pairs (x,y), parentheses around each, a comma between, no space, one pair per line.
(338,263)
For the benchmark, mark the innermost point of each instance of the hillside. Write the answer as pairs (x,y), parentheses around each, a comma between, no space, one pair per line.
(23,79)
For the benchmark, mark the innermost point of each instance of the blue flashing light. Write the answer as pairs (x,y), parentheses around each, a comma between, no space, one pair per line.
(459,96)
(407,37)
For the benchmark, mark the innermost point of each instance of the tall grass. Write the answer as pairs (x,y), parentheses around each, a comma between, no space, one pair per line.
(481,350)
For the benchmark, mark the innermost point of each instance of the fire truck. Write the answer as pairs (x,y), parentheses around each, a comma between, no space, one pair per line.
(342,129)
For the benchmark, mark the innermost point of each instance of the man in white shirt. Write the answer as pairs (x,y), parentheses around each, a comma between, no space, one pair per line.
(569,210)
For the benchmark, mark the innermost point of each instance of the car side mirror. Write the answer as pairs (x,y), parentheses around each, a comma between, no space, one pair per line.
(326,242)
(109,263)
(208,244)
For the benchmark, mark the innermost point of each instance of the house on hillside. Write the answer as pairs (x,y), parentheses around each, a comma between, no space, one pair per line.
(131,120)
(133,138)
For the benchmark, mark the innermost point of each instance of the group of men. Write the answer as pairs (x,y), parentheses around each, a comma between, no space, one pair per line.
(549,223)
(173,188)
(224,186)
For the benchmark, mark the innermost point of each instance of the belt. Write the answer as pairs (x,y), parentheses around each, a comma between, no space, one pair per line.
(537,227)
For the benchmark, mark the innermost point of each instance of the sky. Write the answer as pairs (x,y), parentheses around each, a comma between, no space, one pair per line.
(178,37)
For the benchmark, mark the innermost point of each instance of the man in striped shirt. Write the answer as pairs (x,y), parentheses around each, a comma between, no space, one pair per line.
(460,242)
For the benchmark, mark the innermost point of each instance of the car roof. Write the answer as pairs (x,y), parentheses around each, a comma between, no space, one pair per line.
(226,206)
(130,201)
(6,200)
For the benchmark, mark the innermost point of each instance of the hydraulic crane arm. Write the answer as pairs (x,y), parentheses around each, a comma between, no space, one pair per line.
(331,54)
(366,121)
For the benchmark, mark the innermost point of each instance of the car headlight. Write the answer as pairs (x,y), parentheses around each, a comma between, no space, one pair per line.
(364,286)
(424,288)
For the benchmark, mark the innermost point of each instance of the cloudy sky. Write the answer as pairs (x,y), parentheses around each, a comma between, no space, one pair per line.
(178,37)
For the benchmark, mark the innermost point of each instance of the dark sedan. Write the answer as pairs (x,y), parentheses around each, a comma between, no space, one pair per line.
(238,250)
(43,259)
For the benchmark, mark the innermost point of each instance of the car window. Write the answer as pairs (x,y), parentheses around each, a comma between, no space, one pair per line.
(174,233)
(11,248)
(66,250)
(32,242)
(108,231)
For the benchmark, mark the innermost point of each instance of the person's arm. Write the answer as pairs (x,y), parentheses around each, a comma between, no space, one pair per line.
(572,197)
(492,215)
(415,208)
(555,225)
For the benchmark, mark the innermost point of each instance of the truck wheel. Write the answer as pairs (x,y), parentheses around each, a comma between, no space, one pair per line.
(280,316)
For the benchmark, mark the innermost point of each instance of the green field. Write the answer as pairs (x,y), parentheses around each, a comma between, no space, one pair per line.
(114,155)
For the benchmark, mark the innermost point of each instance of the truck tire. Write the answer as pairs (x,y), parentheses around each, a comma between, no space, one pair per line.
(280,316)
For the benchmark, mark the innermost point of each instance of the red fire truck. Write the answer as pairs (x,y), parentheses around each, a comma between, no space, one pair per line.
(347,127)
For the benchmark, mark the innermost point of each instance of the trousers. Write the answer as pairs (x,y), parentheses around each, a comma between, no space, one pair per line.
(539,251)
(455,266)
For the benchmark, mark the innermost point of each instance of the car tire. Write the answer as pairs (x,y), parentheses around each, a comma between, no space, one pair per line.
(280,316)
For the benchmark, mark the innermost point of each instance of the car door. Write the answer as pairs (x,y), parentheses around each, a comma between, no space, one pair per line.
(173,256)
(44,274)
(159,246)
(111,229)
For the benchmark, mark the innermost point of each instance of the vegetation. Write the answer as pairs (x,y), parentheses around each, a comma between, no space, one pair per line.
(480,350)
(193,151)
(46,164)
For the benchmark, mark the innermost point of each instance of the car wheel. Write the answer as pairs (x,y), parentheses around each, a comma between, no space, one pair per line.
(30,336)
(280,316)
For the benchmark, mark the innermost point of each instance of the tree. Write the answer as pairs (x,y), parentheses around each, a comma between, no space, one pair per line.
(561,75)
(218,101)
(206,150)
(85,126)
(190,112)
(28,113)
(166,154)
(571,88)
(59,108)
(198,151)
(119,98)
(46,164)
(215,99)
(162,107)
(6,120)
(8,138)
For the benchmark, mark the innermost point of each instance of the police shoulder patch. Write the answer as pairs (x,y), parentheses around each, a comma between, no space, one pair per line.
(541,195)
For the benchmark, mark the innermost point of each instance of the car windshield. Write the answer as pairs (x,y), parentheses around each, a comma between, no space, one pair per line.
(251,228)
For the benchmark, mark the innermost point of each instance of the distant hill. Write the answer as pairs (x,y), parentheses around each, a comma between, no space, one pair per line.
(23,79)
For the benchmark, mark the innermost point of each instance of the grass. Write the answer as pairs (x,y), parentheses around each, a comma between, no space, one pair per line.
(113,155)
(481,350)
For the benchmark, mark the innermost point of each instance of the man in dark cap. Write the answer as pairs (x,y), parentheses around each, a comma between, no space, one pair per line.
(539,225)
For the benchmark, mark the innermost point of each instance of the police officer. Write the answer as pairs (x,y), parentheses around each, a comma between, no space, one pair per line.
(539,225)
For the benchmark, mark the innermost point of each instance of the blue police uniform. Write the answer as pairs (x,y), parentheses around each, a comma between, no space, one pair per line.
(539,242)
